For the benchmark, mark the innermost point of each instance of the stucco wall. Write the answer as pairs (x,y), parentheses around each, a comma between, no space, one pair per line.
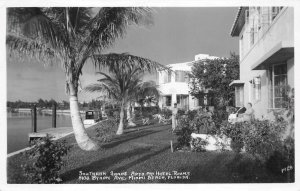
(280,30)
(174,88)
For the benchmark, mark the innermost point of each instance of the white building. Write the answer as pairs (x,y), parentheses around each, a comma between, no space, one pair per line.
(266,41)
(174,86)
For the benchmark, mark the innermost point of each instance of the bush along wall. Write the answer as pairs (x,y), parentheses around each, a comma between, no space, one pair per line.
(270,141)
(264,140)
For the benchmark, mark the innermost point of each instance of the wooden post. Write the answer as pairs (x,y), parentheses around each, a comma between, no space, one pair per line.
(33,118)
(171,146)
(54,115)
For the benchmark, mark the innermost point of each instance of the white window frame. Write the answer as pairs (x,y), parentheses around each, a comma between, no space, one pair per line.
(240,90)
(273,82)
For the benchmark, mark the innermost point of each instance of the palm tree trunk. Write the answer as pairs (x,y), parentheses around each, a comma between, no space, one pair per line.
(121,124)
(81,136)
(130,117)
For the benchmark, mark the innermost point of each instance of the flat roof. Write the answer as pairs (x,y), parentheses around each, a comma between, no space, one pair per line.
(236,83)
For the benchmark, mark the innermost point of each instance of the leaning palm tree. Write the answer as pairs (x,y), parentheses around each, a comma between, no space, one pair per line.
(123,80)
(70,37)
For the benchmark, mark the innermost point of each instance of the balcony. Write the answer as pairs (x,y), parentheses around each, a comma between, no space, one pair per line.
(275,44)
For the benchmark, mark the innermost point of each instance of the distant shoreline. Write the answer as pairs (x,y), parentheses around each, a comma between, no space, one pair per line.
(48,111)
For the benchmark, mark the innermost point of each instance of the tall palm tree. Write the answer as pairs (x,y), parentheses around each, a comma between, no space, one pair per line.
(69,36)
(123,81)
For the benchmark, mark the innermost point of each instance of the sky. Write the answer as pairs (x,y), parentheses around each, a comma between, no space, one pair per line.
(177,35)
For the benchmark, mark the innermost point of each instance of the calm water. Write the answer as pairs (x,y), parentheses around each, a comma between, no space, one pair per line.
(19,125)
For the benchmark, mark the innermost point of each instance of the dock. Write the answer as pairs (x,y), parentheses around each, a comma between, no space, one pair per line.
(55,133)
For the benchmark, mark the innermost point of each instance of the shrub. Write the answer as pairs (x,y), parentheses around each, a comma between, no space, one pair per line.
(194,122)
(113,112)
(191,114)
(184,134)
(47,158)
(107,129)
(282,160)
(219,116)
(203,123)
(263,137)
(167,113)
(116,114)
(181,112)
(146,111)
(137,112)
(198,144)
(235,132)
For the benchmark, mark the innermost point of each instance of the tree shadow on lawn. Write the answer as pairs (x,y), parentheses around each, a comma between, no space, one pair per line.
(229,167)
(128,137)
(106,163)
(211,171)
(246,168)
(102,164)
(140,160)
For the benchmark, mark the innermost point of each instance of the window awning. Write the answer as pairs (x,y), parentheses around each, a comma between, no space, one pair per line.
(279,53)
(236,83)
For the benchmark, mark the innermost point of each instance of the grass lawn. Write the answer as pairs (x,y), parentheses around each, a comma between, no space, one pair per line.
(148,150)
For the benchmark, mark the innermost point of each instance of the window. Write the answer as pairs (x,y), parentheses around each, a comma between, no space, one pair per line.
(257,89)
(178,98)
(275,11)
(182,101)
(181,76)
(280,83)
(167,100)
(277,86)
(239,96)
(167,77)
(259,18)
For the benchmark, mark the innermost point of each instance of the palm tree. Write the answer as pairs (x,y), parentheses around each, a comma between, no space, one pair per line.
(145,92)
(70,37)
(123,82)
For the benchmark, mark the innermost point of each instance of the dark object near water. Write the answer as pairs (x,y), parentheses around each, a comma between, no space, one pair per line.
(54,116)
(33,117)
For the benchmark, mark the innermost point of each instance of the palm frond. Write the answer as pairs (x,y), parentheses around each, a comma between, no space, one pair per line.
(105,89)
(21,45)
(147,89)
(111,23)
(125,62)
(33,23)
